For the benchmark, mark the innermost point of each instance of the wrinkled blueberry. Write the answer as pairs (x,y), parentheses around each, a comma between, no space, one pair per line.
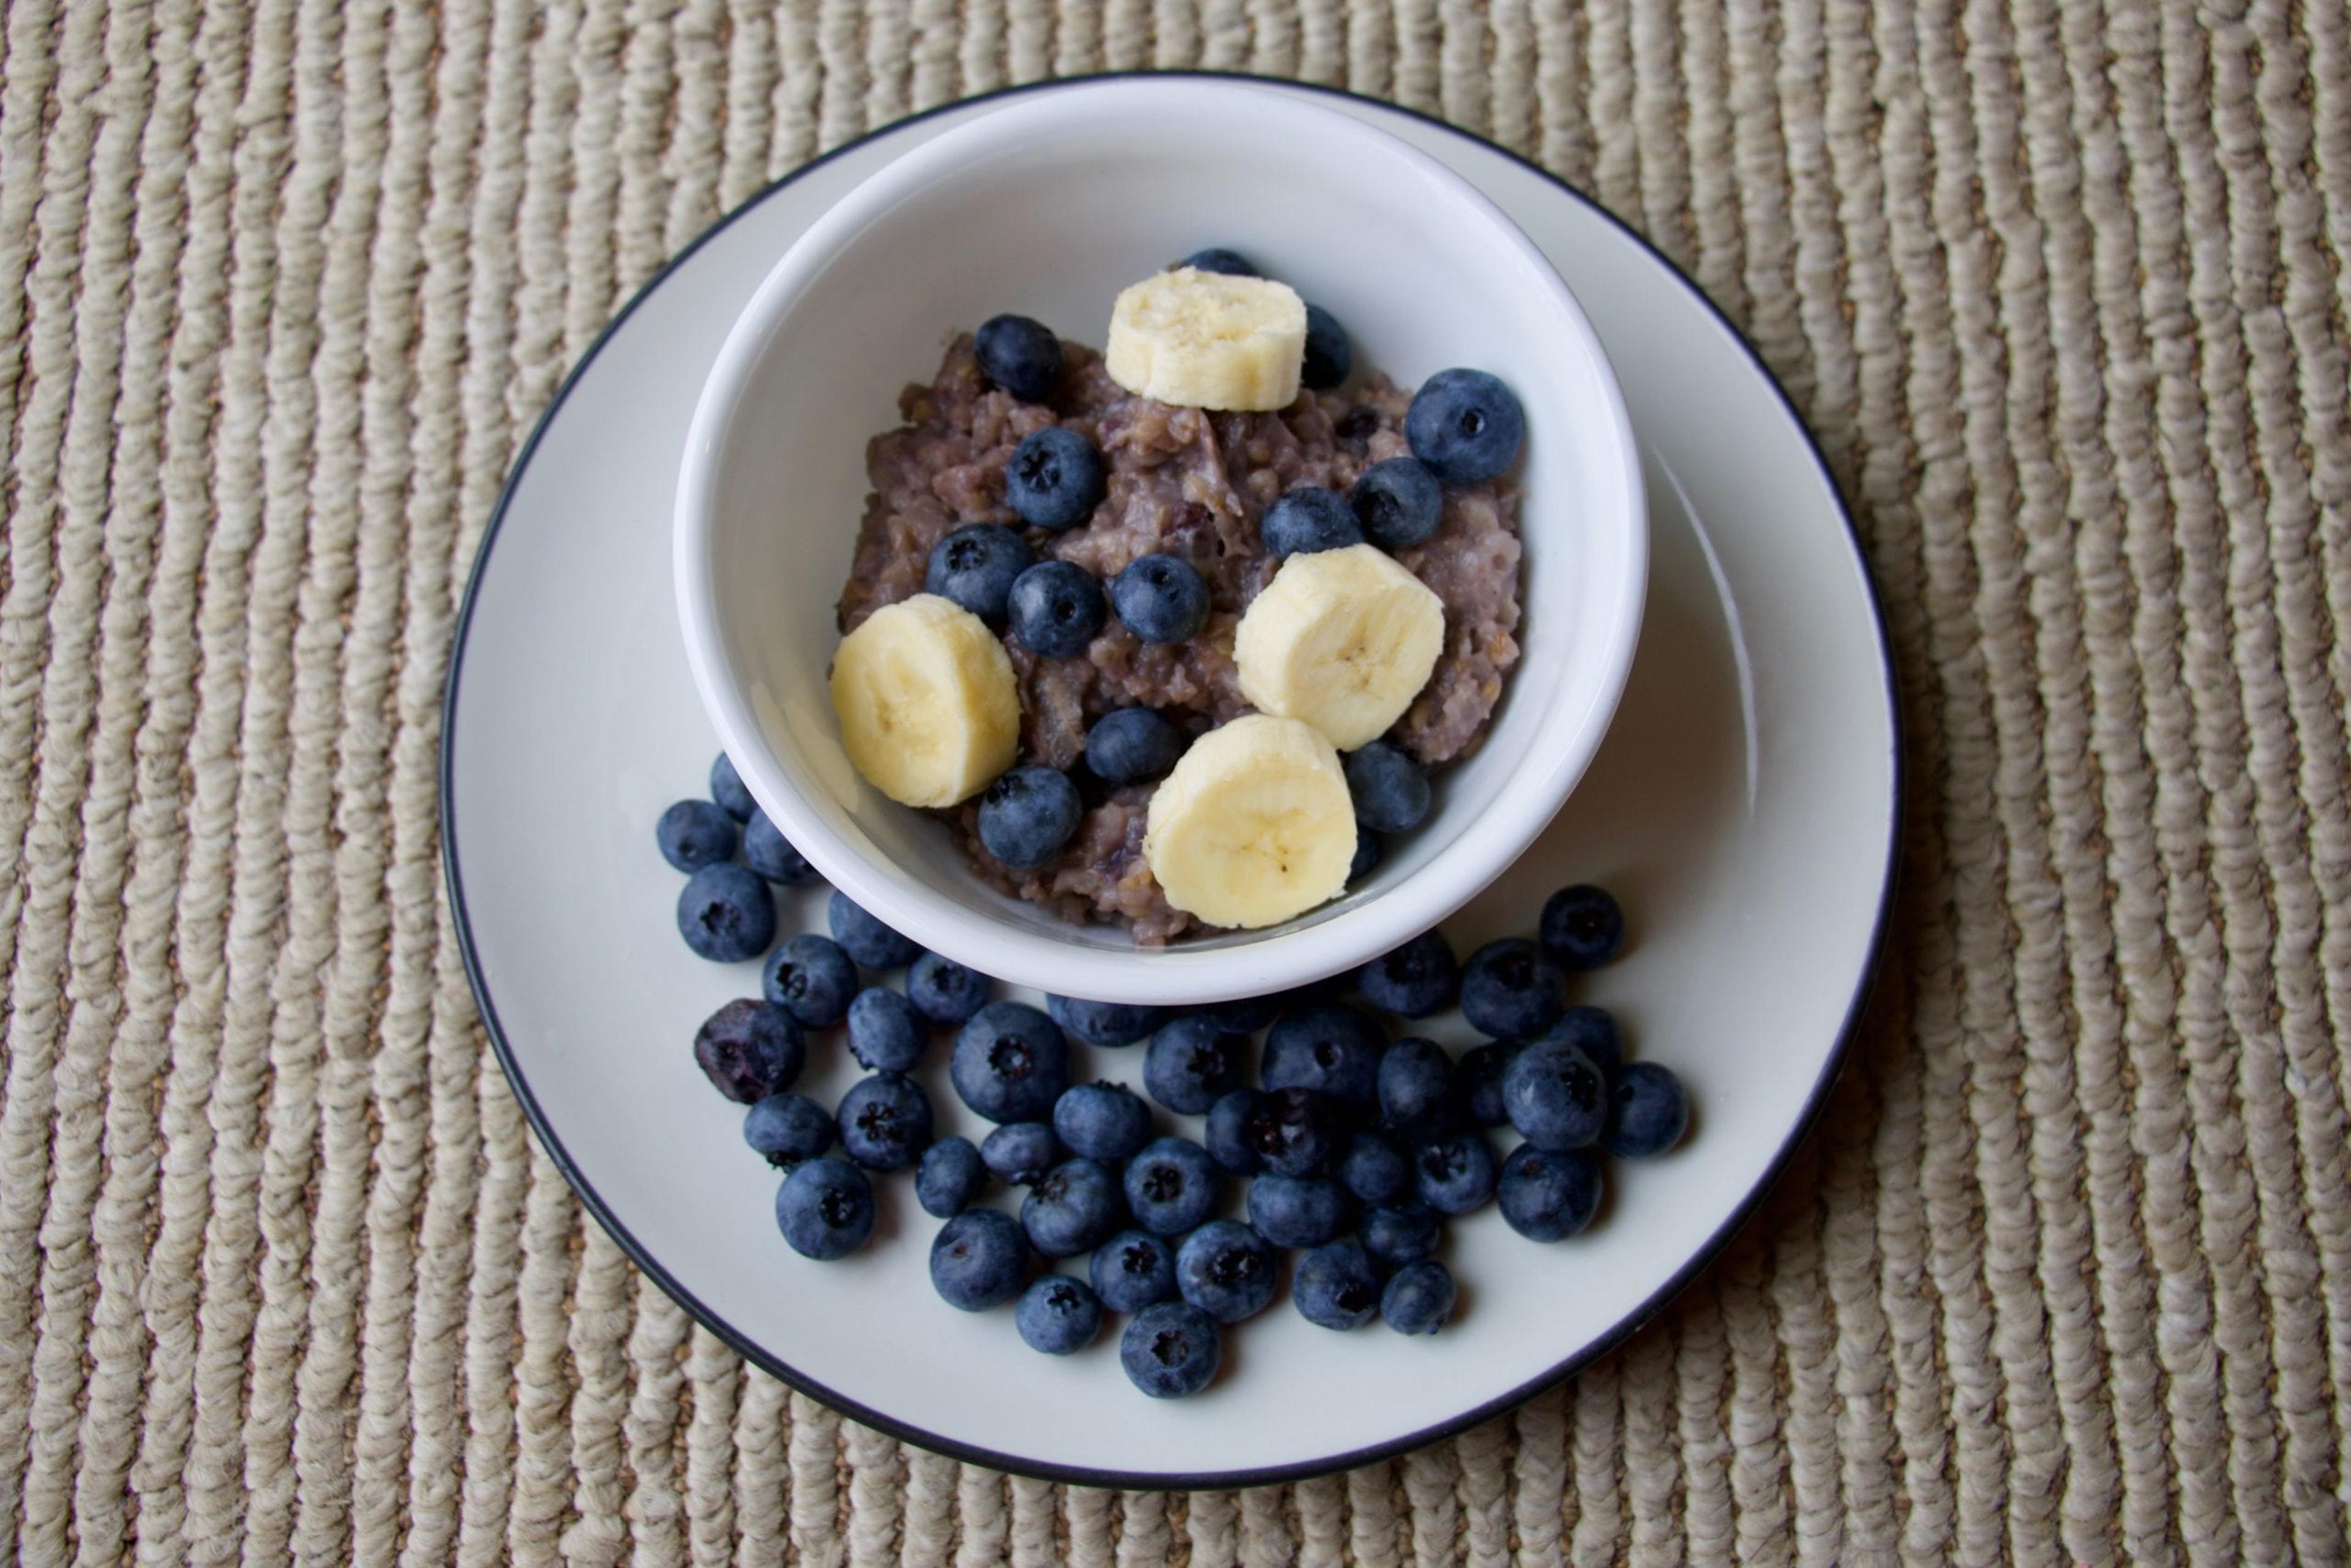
(1390,791)
(979,1259)
(1418,1097)
(727,788)
(1011,1063)
(1058,1315)
(1418,1298)
(1455,1174)
(1056,607)
(1581,928)
(1074,1209)
(1337,1286)
(1398,502)
(749,1051)
(1648,1112)
(1190,1061)
(1415,980)
(768,852)
(1465,426)
(1054,480)
(1374,1169)
(1103,1121)
(1170,1350)
(1328,1047)
(1131,1270)
(948,1177)
(885,1122)
(1557,1099)
(1020,1153)
(1548,1196)
(1020,355)
(1129,744)
(1027,814)
(1225,1269)
(1511,991)
(812,978)
(1299,1211)
(825,1208)
(1400,1233)
(785,1129)
(1478,1076)
(1308,520)
(1161,598)
(1216,258)
(1592,1031)
(1172,1186)
(866,939)
(1330,358)
(944,991)
(1106,1024)
(885,1033)
(694,833)
(975,566)
(726,914)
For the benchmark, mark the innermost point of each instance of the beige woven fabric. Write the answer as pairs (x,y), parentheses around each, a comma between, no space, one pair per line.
(2066,1274)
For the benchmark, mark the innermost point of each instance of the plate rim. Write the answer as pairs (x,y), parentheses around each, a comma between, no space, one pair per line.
(1832,1069)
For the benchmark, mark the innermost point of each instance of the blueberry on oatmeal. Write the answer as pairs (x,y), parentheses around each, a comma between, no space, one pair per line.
(1161,598)
(975,567)
(1019,354)
(1027,814)
(1054,478)
(1307,519)
(1056,609)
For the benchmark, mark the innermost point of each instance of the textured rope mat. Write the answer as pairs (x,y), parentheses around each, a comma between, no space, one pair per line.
(2067,1274)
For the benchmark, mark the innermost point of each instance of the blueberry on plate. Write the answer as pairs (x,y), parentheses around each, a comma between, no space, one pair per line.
(1557,1099)
(1398,502)
(726,914)
(1478,1076)
(1056,607)
(1172,1186)
(975,566)
(1548,1196)
(1390,791)
(1369,853)
(1308,520)
(1511,991)
(1131,1270)
(948,1177)
(1020,355)
(1058,1315)
(1226,1132)
(1418,1097)
(866,939)
(1455,1174)
(1054,479)
(825,1208)
(1226,1270)
(1328,1047)
(1010,1062)
(944,991)
(1415,980)
(768,852)
(1648,1112)
(1171,1350)
(726,788)
(1245,1015)
(1190,1062)
(1400,1233)
(1216,258)
(1294,1131)
(1299,1211)
(812,978)
(1161,598)
(1592,1031)
(979,1259)
(1129,744)
(1020,1153)
(1027,814)
(885,1122)
(1337,1286)
(1106,1024)
(1581,928)
(885,1033)
(1465,426)
(1103,1121)
(749,1051)
(1418,1298)
(1074,1209)
(1376,1169)
(1329,360)
(785,1129)
(694,833)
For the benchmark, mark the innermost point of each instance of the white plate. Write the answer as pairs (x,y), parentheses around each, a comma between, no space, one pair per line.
(1744,806)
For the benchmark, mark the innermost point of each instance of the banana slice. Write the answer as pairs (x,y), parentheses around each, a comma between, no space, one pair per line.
(929,712)
(1254,825)
(1342,639)
(1201,339)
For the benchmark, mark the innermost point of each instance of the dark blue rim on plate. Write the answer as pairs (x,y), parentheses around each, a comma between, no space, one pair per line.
(1080,1475)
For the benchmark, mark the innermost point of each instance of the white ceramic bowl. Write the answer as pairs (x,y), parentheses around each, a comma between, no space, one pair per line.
(1049,208)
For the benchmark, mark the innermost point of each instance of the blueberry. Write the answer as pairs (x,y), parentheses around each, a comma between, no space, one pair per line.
(1129,744)
(1161,598)
(885,1122)
(1511,991)
(975,566)
(1478,1076)
(1329,360)
(1226,1135)
(1020,355)
(694,833)
(1292,1132)
(1398,502)
(1648,1114)
(1011,1063)
(1226,1270)
(768,852)
(944,992)
(1330,1047)
(1074,1209)
(1465,426)
(948,1177)
(1581,928)
(1374,1169)
(811,977)
(787,1128)
(1418,1097)
(1245,1015)
(726,788)
(866,939)
(1309,519)
(1054,480)
(1415,980)
(726,914)
(1172,1186)
(1456,1175)
(749,1051)
(1106,1024)
(1190,1061)
(1132,1270)
(1557,1099)
(979,1259)
(1020,1153)
(1171,1350)
(1027,814)
(1216,258)
(1058,1315)
(1103,1121)
(1369,853)
(1056,607)
(1592,1031)
(1548,1196)
(885,1033)
(1418,1298)
(1337,1286)
(1400,1233)
(1299,1211)
(825,1208)
(1390,791)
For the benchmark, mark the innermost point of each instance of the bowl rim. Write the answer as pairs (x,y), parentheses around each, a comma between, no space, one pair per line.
(1521,805)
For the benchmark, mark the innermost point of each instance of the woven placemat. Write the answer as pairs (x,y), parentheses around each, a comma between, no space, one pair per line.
(2066,1274)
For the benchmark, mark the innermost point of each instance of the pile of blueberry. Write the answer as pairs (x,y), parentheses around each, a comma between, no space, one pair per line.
(1355,1148)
